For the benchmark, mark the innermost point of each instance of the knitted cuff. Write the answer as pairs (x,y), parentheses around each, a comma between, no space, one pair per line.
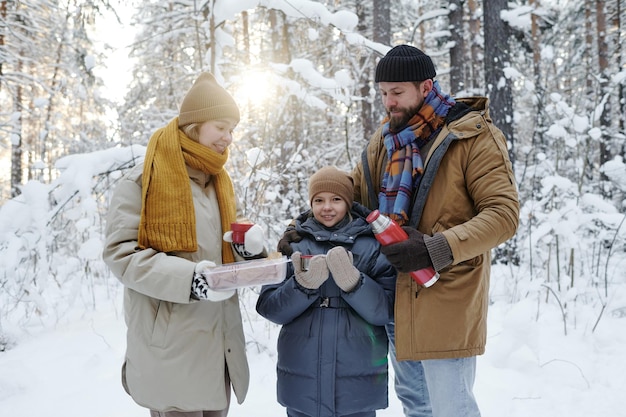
(348,281)
(439,251)
(308,281)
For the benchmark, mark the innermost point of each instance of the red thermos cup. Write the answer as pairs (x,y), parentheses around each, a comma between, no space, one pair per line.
(388,231)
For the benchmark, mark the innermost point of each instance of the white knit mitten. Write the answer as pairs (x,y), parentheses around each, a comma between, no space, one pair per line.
(316,273)
(345,274)
(253,241)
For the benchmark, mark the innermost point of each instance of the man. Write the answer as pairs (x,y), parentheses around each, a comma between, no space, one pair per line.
(441,170)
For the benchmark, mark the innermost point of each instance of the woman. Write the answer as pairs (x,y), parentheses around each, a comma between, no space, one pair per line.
(185,342)
(332,348)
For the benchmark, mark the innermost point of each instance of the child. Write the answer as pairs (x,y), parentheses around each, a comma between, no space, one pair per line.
(332,348)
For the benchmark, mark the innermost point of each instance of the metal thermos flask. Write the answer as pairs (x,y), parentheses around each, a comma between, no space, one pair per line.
(388,231)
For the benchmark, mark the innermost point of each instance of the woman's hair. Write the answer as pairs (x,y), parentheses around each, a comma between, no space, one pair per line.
(192,130)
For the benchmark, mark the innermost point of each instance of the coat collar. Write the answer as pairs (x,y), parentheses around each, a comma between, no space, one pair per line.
(199,177)
(466,124)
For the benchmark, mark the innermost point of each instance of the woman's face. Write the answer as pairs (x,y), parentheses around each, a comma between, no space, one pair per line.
(217,134)
(328,208)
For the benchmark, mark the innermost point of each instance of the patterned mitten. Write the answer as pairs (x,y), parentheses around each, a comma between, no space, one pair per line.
(200,288)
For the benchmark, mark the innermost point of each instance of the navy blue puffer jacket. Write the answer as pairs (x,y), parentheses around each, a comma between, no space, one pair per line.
(333,360)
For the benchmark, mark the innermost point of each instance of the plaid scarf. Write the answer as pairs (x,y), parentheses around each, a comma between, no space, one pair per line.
(405,165)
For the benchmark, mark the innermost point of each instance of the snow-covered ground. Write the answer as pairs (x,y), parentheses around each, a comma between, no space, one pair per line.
(531,367)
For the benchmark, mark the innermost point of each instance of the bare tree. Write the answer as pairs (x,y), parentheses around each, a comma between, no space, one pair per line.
(46,63)
(474,75)
(3,28)
(617,42)
(381,34)
(457,52)
(603,67)
(497,57)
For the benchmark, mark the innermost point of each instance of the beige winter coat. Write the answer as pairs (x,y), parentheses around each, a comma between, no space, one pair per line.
(178,349)
(474,203)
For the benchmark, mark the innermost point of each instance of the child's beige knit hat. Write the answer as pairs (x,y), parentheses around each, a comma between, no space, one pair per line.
(332,180)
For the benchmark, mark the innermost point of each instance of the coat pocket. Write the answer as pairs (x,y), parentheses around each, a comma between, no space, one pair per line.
(161,324)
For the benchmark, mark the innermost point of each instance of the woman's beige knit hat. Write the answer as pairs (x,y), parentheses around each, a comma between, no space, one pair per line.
(207,100)
(332,180)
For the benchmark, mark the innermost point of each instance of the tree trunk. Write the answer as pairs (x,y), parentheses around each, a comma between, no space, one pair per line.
(457,53)
(617,26)
(382,34)
(538,137)
(16,139)
(366,80)
(476,55)
(3,16)
(246,37)
(588,48)
(603,69)
(197,32)
(280,36)
(496,58)
(212,41)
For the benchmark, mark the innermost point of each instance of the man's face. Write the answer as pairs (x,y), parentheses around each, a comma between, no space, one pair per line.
(402,100)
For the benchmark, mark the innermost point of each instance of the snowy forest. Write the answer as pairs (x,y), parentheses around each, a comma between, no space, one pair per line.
(302,73)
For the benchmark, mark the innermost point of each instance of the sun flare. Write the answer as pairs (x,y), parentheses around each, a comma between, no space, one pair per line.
(254,88)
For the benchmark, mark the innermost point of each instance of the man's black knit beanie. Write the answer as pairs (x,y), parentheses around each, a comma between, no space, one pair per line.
(405,63)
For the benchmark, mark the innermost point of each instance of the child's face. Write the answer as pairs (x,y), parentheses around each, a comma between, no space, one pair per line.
(217,134)
(328,208)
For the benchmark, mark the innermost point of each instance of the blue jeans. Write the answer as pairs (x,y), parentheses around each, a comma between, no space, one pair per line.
(292,413)
(435,387)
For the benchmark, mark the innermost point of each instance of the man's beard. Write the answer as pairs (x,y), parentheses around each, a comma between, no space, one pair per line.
(396,124)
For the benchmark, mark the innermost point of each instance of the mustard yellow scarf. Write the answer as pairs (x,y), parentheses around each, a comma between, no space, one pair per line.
(168,220)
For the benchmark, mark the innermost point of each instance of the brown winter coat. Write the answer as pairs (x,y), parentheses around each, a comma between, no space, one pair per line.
(474,203)
(177,348)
